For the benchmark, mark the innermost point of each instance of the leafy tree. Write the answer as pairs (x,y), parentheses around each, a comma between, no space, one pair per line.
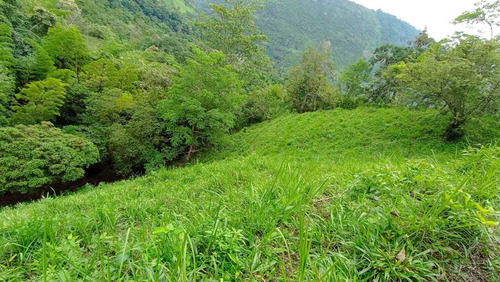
(105,113)
(202,105)
(463,79)
(232,30)
(8,9)
(39,101)
(37,65)
(112,106)
(310,85)
(37,155)
(354,80)
(6,47)
(125,124)
(486,12)
(72,111)
(127,77)
(137,144)
(68,47)
(100,74)
(354,84)
(292,25)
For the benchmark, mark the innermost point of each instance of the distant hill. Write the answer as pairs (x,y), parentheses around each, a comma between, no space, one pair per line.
(294,25)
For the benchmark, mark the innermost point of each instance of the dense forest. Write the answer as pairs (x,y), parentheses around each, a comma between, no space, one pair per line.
(317,111)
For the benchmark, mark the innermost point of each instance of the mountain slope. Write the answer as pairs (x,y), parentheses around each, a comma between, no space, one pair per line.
(354,31)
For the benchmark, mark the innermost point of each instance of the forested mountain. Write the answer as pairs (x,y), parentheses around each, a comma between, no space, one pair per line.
(354,31)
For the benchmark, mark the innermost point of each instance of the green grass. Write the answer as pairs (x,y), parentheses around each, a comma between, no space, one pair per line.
(339,195)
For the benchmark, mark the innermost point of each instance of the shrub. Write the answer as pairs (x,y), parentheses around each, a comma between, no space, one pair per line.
(37,155)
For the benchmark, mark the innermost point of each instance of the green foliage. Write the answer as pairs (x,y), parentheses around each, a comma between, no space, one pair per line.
(265,104)
(487,12)
(36,66)
(354,83)
(111,106)
(309,210)
(383,88)
(7,86)
(130,19)
(232,31)
(463,79)
(67,46)
(100,74)
(123,121)
(310,86)
(6,47)
(202,104)
(41,20)
(40,101)
(137,145)
(38,155)
(74,106)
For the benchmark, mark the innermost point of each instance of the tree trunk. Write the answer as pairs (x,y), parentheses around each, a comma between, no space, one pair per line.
(455,130)
(192,150)
(192,147)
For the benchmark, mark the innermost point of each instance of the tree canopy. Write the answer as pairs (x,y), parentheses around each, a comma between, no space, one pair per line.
(37,155)
(203,104)
(461,78)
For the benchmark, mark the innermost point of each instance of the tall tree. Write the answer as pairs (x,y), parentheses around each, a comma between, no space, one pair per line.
(36,155)
(7,66)
(232,30)
(100,74)
(384,86)
(68,47)
(202,104)
(311,84)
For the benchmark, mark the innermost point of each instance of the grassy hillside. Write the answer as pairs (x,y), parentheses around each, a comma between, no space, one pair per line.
(354,31)
(335,195)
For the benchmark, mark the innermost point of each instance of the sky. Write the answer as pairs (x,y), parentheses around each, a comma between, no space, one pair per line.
(436,15)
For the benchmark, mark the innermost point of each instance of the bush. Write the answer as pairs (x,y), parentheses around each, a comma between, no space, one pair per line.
(37,155)
(265,104)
